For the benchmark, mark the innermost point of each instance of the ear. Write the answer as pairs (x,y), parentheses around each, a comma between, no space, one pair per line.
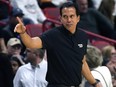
(78,18)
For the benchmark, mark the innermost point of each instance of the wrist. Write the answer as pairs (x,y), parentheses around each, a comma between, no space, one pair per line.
(23,32)
(94,84)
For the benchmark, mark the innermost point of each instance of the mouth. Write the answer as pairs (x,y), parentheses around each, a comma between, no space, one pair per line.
(69,25)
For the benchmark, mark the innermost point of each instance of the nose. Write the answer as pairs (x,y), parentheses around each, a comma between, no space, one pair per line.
(68,19)
(16,48)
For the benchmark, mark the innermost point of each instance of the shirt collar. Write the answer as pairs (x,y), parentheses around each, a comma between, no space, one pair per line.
(37,66)
(67,32)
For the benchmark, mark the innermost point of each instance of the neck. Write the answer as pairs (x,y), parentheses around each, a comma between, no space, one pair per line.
(36,62)
(72,30)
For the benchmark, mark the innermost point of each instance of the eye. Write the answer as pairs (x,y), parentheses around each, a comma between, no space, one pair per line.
(28,51)
(65,17)
(14,65)
(72,16)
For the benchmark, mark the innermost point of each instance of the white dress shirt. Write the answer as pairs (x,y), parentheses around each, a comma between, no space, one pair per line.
(28,76)
(106,74)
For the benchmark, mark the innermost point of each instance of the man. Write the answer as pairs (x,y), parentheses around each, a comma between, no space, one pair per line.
(32,74)
(14,46)
(13,21)
(66,49)
(6,72)
(93,21)
(7,31)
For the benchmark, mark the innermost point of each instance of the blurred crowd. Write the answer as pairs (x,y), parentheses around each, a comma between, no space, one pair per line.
(20,66)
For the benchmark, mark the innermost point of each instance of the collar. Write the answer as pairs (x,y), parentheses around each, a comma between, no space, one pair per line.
(39,65)
(67,32)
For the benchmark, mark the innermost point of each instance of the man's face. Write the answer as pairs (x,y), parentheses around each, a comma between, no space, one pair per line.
(30,55)
(14,50)
(69,18)
(83,5)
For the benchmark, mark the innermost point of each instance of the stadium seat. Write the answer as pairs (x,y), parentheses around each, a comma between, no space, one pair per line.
(34,29)
(52,13)
(5,9)
(100,43)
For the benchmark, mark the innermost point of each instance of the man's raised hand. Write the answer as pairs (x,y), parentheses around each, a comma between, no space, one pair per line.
(20,28)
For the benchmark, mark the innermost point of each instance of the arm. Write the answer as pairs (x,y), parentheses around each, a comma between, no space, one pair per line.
(27,40)
(87,73)
(17,79)
(2,46)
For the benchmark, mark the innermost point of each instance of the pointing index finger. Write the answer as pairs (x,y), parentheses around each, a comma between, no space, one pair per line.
(19,20)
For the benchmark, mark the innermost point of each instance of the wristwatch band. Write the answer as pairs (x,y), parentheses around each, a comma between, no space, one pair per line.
(97,81)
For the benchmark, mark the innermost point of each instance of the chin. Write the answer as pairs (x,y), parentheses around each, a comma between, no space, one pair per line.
(68,28)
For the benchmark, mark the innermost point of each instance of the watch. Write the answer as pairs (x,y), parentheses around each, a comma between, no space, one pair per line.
(97,81)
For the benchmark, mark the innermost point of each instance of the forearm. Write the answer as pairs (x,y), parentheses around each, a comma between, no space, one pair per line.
(2,46)
(30,42)
(87,73)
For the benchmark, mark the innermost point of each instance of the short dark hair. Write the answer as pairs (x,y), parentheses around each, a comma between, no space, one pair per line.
(40,52)
(17,12)
(69,4)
